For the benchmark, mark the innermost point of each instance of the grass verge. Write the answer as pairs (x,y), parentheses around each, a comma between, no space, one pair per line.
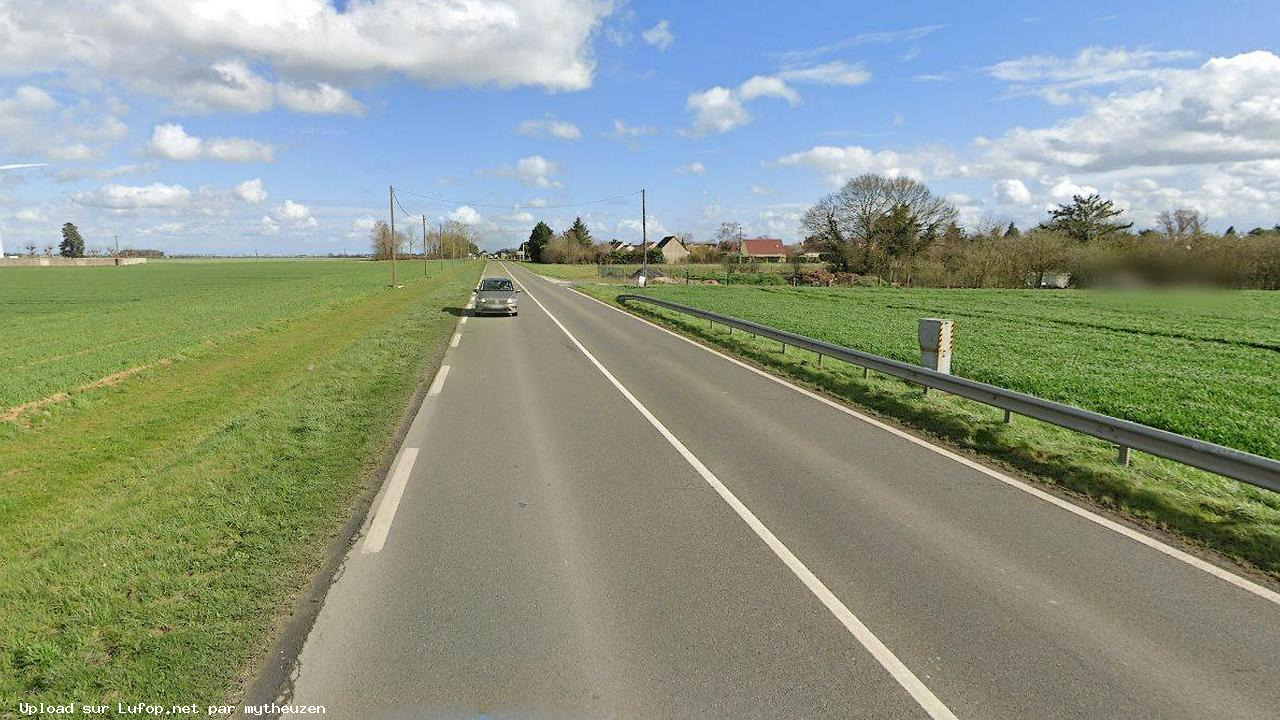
(154,532)
(1237,520)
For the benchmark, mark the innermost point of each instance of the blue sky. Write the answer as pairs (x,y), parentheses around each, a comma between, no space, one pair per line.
(239,126)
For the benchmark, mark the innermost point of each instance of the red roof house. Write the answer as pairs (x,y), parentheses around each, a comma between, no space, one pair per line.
(767,249)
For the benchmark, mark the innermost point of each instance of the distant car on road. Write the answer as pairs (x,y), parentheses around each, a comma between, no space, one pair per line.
(496,296)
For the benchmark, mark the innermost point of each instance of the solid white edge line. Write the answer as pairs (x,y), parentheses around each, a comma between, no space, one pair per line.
(457,338)
(923,696)
(1139,537)
(438,384)
(381,525)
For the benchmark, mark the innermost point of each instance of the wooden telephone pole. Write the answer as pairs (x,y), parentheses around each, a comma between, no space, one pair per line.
(391,205)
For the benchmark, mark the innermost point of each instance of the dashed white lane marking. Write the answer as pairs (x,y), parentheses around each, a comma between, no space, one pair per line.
(377,536)
(438,384)
(923,696)
(1138,537)
(457,338)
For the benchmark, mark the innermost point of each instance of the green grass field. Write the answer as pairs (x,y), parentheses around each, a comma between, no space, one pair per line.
(154,531)
(1205,364)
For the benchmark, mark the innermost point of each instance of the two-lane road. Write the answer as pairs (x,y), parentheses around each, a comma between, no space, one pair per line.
(591,517)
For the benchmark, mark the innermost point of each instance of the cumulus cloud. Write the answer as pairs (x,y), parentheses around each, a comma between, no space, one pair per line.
(288,214)
(693,168)
(466,215)
(549,127)
(250,191)
(716,110)
(1226,110)
(533,171)
(197,53)
(660,35)
(171,141)
(839,164)
(1011,191)
(133,197)
(34,122)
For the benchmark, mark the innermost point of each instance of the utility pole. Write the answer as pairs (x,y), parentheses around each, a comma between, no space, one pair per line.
(117,237)
(424,246)
(391,205)
(644,237)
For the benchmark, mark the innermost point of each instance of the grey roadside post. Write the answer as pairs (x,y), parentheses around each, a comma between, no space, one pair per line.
(935,336)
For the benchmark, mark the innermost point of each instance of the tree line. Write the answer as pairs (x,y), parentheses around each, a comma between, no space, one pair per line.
(450,239)
(73,246)
(897,230)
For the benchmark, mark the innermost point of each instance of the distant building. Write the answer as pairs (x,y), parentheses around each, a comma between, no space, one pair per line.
(763,249)
(673,251)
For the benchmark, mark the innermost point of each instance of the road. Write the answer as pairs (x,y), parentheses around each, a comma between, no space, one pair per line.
(591,517)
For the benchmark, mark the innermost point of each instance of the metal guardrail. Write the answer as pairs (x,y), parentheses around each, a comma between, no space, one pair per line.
(1246,467)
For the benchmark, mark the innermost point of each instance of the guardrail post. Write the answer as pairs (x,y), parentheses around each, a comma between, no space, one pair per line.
(1008,416)
(1122,456)
(866,372)
(819,359)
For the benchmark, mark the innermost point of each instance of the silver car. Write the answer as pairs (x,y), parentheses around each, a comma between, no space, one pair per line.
(496,296)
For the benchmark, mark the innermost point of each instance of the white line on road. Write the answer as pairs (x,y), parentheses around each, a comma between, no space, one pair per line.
(438,384)
(457,338)
(1139,537)
(890,662)
(390,501)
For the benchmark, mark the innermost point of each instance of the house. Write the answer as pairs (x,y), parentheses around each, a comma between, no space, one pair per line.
(762,250)
(673,251)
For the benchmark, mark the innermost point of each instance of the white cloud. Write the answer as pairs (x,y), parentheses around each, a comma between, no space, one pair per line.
(196,52)
(767,86)
(133,197)
(1011,191)
(836,72)
(716,110)
(839,164)
(1092,65)
(884,37)
(549,126)
(250,191)
(171,141)
(521,217)
(533,171)
(318,97)
(31,215)
(693,168)
(34,122)
(1226,110)
(660,35)
(288,214)
(622,131)
(466,215)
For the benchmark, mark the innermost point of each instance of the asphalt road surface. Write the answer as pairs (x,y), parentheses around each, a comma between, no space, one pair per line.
(591,517)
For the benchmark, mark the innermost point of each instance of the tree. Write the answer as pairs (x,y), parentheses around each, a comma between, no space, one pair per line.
(1231,232)
(538,240)
(846,219)
(1181,224)
(384,242)
(1086,219)
(578,232)
(898,234)
(72,245)
(1013,231)
(455,239)
(31,248)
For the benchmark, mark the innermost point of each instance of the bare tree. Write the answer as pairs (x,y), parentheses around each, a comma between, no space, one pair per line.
(1182,224)
(385,243)
(728,235)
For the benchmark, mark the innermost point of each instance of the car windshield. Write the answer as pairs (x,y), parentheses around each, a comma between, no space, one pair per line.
(496,284)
